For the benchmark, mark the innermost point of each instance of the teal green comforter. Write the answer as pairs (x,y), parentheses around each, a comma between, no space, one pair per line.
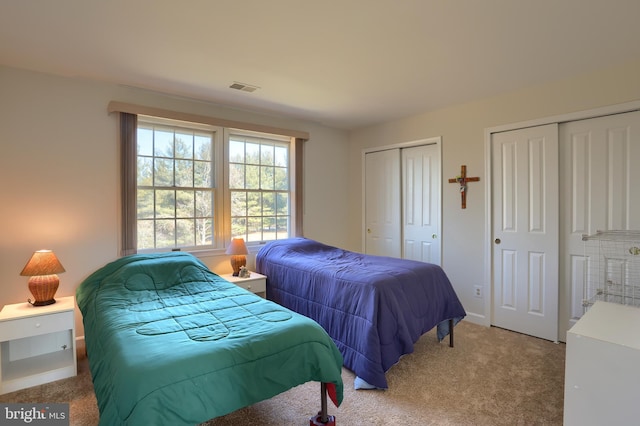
(170,342)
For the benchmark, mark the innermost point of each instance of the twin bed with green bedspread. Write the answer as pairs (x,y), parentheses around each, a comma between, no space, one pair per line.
(170,342)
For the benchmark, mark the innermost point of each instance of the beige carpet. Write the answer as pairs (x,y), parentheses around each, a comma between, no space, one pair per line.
(491,377)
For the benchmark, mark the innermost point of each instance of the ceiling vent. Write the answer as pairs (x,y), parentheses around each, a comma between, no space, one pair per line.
(244,87)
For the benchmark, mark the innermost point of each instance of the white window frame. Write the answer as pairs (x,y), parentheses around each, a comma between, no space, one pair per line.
(217,178)
(291,177)
(222,233)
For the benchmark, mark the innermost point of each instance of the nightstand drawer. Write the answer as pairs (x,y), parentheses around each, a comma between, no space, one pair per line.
(256,283)
(35,325)
(255,286)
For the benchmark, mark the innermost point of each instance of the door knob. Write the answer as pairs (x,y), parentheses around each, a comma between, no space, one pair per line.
(368,230)
(434,236)
(498,241)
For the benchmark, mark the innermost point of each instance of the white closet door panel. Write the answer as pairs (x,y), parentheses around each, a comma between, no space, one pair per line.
(599,181)
(618,149)
(580,160)
(421,203)
(382,203)
(525,230)
(536,190)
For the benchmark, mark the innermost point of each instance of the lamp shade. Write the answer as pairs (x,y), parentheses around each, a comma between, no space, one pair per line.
(43,284)
(237,246)
(237,249)
(42,262)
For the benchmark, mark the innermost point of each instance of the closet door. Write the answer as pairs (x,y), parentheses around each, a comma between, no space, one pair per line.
(600,191)
(525,230)
(402,201)
(421,203)
(382,203)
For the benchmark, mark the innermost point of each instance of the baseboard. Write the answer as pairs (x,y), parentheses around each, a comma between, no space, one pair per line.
(80,345)
(477,319)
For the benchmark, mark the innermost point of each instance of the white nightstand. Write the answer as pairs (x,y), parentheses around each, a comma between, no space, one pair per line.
(256,283)
(37,344)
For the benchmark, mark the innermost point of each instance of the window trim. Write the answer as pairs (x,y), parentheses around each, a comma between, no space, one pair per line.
(115,106)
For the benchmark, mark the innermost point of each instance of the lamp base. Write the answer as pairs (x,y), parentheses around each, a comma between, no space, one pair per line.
(237,261)
(43,288)
(41,302)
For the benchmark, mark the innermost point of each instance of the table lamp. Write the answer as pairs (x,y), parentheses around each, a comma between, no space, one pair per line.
(237,249)
(43,282)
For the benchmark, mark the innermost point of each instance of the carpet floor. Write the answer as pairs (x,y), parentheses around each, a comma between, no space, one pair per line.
(491,377)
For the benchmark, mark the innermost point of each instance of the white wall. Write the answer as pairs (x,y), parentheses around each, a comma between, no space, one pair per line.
(59,168)
(462,129)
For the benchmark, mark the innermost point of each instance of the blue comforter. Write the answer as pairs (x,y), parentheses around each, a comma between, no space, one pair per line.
(374,308)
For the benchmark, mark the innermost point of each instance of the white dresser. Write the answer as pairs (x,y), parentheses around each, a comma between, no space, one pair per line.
(602,375)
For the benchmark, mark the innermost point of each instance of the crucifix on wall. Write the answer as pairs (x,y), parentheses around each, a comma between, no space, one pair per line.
(462,181)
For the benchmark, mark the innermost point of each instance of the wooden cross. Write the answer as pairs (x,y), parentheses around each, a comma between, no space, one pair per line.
(462,181)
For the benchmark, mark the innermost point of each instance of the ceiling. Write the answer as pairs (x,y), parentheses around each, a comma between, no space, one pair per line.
(341,63)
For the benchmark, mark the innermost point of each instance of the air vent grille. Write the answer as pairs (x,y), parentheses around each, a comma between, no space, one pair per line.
(244,87)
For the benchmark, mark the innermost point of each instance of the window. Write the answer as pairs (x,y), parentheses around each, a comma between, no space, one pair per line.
(175,193)
(259,187)
(193,186)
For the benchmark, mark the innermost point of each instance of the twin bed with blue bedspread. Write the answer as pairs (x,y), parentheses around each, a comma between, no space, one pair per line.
(375,308)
